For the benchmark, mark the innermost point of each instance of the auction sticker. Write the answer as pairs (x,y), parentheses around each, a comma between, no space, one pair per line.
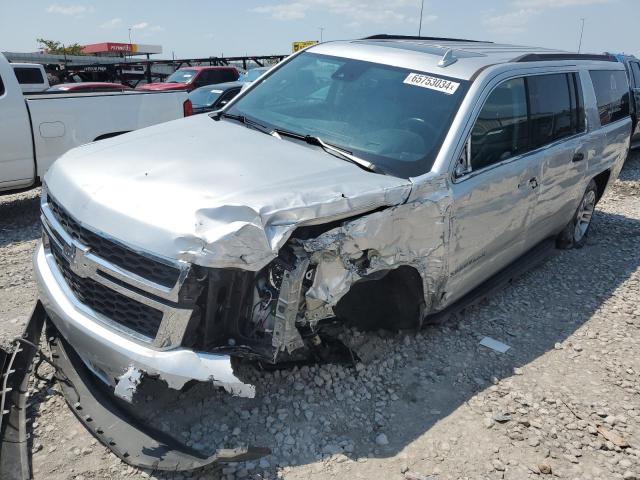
(432,83)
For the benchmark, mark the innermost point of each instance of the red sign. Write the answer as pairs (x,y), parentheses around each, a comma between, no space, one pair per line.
(109,47)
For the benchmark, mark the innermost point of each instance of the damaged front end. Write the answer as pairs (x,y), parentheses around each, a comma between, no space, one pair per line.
(178,322)
(132,315)
(382,269)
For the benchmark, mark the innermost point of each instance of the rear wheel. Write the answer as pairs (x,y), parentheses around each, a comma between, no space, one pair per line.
(575,233)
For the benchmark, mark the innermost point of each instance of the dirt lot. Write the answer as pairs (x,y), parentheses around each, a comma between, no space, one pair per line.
(563,401)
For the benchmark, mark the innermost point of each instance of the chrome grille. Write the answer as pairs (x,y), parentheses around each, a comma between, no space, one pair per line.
(121,309)
(111,251)
(132,291)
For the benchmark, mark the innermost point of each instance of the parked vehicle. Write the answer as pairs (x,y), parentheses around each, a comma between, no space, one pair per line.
(31,77)
(213,97)
(190,78)
(89,87)
(632,65)
(372,183)
(37,129)
(252,75)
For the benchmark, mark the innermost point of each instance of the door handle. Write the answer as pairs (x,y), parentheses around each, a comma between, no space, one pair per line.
(533,183)
(578,157)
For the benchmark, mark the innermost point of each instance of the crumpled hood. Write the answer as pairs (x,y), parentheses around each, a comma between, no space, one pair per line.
(214,193)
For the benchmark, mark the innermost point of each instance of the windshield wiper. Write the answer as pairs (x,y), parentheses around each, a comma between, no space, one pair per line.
(310,139)
(331,149)
(245,121)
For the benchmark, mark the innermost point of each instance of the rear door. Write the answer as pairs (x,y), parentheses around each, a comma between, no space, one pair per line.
(493,203)
(558,137)
(634,78)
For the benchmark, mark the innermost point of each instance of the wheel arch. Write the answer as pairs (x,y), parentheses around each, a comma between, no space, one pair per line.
(109,135)
(602,179)
(390,299)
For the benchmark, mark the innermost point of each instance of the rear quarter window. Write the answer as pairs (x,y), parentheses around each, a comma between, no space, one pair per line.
(1,87)
(28,75)
(612,94)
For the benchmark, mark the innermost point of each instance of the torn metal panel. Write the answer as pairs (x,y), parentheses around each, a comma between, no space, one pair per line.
(128,384)
(15,369)
(413,234)
(285,333)
(132,440)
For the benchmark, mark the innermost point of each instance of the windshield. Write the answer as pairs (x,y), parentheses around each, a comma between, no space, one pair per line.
(204,97)
(182,76)
(253,75)
(392,117)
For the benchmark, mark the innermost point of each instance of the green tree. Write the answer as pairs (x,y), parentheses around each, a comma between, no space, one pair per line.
(55,47)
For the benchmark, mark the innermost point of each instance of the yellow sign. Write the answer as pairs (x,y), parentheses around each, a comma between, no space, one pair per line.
(300,45)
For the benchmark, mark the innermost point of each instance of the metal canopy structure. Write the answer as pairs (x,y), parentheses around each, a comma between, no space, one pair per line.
(129,71)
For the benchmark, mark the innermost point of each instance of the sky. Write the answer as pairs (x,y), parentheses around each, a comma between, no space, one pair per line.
(202,28)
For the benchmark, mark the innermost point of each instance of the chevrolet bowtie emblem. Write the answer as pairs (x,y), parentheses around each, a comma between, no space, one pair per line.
(69,252)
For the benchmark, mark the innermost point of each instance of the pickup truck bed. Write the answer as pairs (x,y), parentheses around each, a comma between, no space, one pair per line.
(35,129)
(63,121)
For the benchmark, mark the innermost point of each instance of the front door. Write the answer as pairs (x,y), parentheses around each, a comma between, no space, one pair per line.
(493,203)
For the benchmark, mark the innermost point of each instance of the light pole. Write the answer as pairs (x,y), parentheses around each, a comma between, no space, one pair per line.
(421,10)
(581,31)
(129,50)
(321,30)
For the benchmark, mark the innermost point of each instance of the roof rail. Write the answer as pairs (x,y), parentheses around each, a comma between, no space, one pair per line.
(384,36)
(549,57)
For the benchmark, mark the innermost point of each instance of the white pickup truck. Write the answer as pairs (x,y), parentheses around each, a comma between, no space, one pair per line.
(36,129)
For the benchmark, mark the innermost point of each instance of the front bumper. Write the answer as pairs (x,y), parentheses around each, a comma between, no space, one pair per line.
(109,354)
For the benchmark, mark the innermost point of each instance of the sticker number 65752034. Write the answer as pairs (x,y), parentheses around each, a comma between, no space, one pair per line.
(432,83)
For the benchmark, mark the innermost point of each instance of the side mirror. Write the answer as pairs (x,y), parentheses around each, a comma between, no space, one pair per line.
(463,165)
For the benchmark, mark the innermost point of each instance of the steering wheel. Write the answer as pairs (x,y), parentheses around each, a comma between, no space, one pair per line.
(417,125)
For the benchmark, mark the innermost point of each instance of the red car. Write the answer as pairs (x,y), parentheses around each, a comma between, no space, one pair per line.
(86,87)
(190,78)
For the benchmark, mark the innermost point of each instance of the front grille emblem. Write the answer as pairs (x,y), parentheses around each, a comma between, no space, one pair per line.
(69,252)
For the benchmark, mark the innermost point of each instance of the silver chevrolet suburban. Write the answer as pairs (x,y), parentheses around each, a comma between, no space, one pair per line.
(373,183)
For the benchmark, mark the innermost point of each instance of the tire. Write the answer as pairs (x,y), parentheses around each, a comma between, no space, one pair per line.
(575,233)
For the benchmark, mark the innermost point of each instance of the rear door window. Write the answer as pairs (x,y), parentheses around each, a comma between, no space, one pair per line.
(28,76)
(612,94)
(551,108)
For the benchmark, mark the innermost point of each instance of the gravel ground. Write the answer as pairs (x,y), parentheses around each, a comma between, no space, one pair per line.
(563,401)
